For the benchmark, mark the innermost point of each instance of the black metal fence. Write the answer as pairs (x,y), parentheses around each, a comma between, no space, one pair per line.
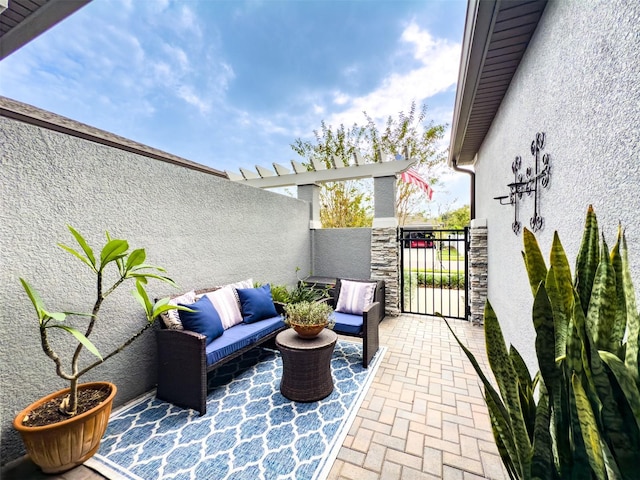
(434,265)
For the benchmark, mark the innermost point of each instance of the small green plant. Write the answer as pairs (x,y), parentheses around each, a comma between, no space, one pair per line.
(129,266)
(302,292)
(586,420)
(308,313)
(280,293)
(306,292)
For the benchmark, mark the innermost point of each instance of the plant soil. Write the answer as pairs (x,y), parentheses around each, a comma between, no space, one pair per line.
(49,413)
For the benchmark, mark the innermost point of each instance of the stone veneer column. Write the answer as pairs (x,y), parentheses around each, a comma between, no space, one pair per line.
(384,245)
(478,267)
(385,265)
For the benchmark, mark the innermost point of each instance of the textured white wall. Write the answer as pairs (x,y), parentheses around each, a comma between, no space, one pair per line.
(203,229)
(578,83)
(342,252)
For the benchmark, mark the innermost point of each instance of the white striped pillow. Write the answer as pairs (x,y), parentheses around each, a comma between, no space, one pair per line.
(171,318)
(225,302)
(355,296)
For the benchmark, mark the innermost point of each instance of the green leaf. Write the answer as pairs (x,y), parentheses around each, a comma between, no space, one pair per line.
(135,259)
(601,313)
(626,382)
(613,428)
(144,276)
(525,389)
(633,322)
(589,429)
(157,310)
(502,433)
(520,367)
(580,467)
(141,295)
(575,339)
(476,366)
(59,316)
(81,338)
(35,299)
(533,259)
(78,255)
(561,426)
(620,321)
(542,464)
(146,266)
(587,260)
(84,245)
(119,260)
(543,322)
(504,373)
(561,297)
(113,250)
(560,321)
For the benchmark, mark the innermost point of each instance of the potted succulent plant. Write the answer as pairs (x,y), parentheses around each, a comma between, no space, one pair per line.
(64,429)
(307,318)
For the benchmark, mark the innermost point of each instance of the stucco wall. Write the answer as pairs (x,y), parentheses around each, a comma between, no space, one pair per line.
(203,229)
(342,252)
(578,83)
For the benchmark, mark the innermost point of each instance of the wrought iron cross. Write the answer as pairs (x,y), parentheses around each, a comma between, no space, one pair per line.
(529,183)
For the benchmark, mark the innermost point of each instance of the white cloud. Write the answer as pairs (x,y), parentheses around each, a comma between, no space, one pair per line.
(188,21)
(340,98)
(436,72)
(178,56)
(186,93)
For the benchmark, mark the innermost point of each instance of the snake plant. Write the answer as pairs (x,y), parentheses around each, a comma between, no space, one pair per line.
(579,416)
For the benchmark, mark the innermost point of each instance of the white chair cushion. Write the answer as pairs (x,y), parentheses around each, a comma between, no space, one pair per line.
(355,296)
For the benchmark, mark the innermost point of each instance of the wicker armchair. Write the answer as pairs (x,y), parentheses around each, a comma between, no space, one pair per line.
(363,326)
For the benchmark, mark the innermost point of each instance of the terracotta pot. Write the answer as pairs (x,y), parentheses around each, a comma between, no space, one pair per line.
(308,331)
(61,446)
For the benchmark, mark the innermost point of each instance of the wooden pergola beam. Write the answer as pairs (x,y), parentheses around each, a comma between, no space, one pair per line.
(304,177)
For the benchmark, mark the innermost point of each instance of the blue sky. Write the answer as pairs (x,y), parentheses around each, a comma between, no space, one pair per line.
(232,84)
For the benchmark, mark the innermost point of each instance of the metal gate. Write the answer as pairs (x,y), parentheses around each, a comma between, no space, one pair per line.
(434,271)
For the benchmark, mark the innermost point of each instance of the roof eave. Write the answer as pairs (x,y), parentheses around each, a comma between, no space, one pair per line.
(492,28)
(481,16)
(38,22)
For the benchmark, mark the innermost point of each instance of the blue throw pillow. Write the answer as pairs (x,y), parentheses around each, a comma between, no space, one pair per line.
(256,303)
(204,319)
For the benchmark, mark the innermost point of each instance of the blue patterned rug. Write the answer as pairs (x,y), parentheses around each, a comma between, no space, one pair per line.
(250,431)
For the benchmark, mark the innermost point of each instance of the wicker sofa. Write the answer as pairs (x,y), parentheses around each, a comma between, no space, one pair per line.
(185,358)
(364,326)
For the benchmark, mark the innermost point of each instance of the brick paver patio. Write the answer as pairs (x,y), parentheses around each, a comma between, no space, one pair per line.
(423,417)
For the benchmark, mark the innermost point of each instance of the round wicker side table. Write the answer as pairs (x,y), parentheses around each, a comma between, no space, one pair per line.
(306,365)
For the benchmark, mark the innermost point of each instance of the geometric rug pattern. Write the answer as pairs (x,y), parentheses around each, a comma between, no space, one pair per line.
(250,431)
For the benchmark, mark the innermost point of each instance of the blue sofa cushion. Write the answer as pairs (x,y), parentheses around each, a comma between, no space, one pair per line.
(204,319)
(240,336)
(348,323)
(256,303)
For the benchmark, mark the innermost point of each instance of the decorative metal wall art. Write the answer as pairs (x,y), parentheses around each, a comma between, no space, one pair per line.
(529,183)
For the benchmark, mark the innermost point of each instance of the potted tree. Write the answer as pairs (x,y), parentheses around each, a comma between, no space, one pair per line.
(308,318)
(64,429)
